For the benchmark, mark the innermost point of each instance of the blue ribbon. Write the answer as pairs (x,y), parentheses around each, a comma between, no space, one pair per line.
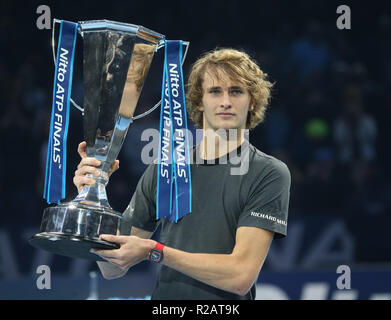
(55,177)
(173,200)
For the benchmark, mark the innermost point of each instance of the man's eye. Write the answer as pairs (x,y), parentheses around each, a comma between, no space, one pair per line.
(236,91)
(214,91)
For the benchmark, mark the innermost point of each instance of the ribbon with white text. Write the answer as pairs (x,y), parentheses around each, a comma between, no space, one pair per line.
(173,200)
(55,177)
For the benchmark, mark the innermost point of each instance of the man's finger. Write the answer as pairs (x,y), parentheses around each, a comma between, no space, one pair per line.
(82,171)
(81,181)
(113,238)
(89,162)
(114,167)
(81,149)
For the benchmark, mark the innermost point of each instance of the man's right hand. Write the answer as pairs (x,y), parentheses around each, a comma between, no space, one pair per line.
(88,166)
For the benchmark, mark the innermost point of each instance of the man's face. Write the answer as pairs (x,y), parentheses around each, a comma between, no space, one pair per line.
(225,103)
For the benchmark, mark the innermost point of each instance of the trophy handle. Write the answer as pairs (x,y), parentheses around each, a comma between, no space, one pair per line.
(55,59)
(159,46)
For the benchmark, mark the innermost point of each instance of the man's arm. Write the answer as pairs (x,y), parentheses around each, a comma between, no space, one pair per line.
(110,270)
(235,272)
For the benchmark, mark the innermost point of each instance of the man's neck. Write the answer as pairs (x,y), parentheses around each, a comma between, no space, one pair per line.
(216,144)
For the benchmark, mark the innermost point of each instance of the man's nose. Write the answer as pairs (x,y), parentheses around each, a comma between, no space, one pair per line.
(226,100)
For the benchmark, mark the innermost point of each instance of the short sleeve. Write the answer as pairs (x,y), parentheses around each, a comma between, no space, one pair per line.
(141,211)
(268,201)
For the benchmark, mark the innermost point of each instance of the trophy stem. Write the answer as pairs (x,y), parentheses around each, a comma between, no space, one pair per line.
(95,195)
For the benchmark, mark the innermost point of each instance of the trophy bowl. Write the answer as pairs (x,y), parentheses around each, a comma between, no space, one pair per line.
(116,61)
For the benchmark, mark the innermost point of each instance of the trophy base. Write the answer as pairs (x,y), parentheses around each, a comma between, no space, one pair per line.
(72,229)
(70,246)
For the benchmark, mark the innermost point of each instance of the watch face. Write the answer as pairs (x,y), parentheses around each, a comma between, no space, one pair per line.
(156,255)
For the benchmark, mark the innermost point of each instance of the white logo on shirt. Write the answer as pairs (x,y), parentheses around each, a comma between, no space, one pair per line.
(268,217)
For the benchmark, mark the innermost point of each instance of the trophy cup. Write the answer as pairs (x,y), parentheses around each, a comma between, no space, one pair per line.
(116,61)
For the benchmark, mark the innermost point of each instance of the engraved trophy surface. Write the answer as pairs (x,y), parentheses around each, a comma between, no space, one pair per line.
(116,60)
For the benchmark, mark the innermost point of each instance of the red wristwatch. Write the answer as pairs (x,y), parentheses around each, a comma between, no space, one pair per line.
(156,254)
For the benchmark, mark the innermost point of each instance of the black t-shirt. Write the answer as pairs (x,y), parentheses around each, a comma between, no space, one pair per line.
(226,195)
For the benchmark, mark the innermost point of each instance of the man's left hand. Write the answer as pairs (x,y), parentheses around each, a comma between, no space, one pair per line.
(132,250)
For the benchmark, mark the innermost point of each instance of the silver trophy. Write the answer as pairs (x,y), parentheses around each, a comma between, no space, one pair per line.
(116,61)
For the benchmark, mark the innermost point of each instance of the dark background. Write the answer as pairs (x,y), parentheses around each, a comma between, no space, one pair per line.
(328,118)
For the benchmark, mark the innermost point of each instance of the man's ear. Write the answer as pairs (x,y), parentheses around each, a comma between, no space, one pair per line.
(201,108)
(252,106)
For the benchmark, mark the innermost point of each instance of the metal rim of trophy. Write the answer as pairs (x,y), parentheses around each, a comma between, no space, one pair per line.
(159,46)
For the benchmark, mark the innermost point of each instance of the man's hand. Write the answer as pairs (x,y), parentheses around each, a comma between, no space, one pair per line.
(132,250)
(89,166)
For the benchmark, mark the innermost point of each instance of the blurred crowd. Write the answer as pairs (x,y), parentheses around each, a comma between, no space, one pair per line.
(327,119)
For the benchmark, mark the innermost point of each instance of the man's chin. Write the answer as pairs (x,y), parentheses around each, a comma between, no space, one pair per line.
(225,125)
(227,128)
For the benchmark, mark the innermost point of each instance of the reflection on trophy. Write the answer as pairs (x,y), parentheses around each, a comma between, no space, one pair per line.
(116,60)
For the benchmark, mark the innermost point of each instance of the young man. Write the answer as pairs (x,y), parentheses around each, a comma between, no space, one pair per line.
(216,251)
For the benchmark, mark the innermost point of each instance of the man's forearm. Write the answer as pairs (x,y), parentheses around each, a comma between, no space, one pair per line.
(224,271)
(235,272)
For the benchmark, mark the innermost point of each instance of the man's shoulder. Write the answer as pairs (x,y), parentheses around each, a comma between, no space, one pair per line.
(261,161)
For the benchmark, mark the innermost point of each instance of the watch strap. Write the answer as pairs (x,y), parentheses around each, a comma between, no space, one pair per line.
(159,246)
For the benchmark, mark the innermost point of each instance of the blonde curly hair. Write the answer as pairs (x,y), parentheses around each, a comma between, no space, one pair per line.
(239,67)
